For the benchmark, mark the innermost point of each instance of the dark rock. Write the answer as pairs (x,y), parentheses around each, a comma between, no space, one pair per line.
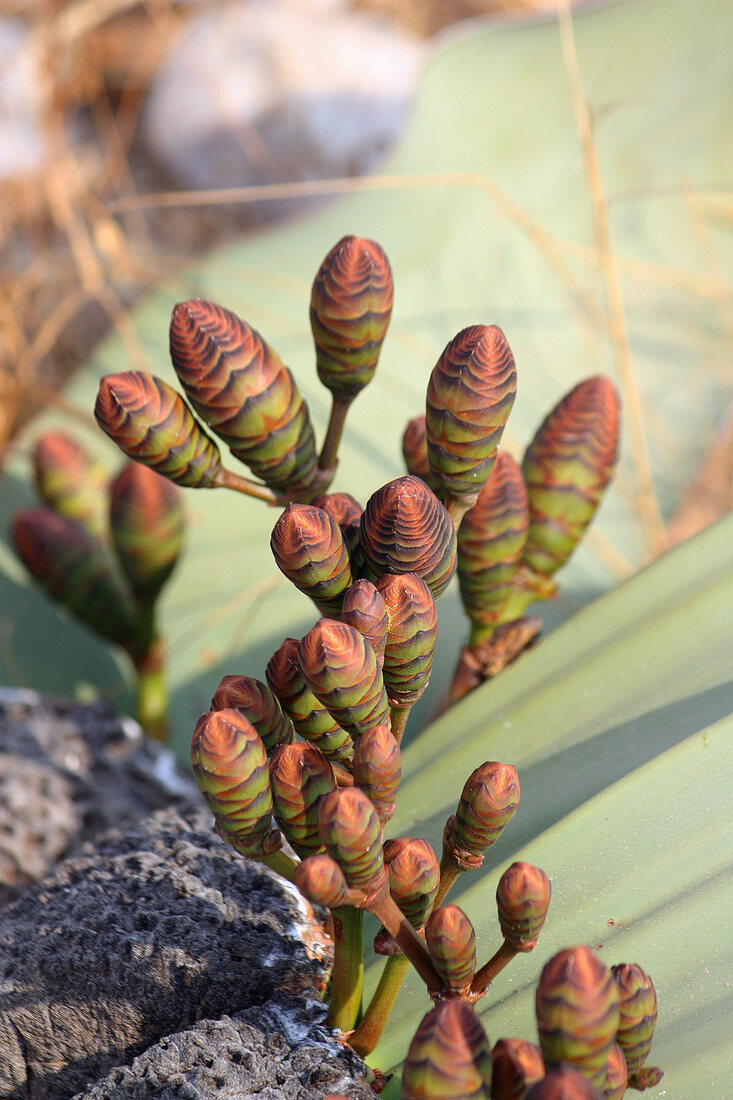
(157,927)
(69,772)
(278,1052)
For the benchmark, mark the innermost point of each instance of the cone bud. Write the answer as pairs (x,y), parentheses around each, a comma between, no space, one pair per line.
(350,830)
(415,451)
(311,719)
(470,395)
(346,510)
(341,670)
(365,610)
(638,1015)
(73,567)
(567,467)
(414,875)
(320,879)
(378,769)
(488,802)
(241,388)
(259,706)
(451,942)
(523,898)
(411,635)
(351,304)
(148,525)
(71,482)
(310,550)
(405,529)
(577,1006)
(450,1056)
(300,776)
(563,1083)
(230,765)
(491,539)
(616,1074)
(516,1064)
(152,424)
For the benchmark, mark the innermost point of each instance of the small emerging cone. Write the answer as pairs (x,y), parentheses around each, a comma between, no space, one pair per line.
(148,526)
(230,765)
(259,706)
(638,1008)
(449,1057)
(350,830)
(567,467)
(577,1006)
(341,670)
(310,550)
(451,941)
(378,769)
(488,802)
(351,304)
(414,874)
(241,388)
(516,1064)
(411,637)
(470,395)
(346,510)
(365,610)
(523,898)
(152,424)
(71,482)
(73,567)
(405,529)
(320,879)
(563,1083)
(616,1074)
(415,451)
(309,716)
(491,539)
(300,776)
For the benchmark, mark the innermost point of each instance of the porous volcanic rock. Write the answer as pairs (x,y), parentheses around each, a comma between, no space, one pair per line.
(153,928)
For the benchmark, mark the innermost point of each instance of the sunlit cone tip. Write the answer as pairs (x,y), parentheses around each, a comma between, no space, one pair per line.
(342,507)
(378,769)
(259,705)
(364,609)
(563,1083)
(414,875)
(152,424)
(450,1056)
(320,879)
(352,834)
(148,525)
(523,899)
(341,669)
(577,1007)
(70,481)
(488,802)
(451,941)
(638,1013)
(309,549)
(405,529)
(470,395)
(351,304)
(516,1064)
(300,776)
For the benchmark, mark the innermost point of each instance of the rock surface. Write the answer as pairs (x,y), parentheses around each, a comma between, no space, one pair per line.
(69,772)
(154,928)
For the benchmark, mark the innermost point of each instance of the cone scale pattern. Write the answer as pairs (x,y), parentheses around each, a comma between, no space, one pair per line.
(148,526)
(414,875)
(378,769)
(341,670)
(230,765)
(516,1064)
(488,802)
(567,467)
(241,388)
(577,1006)
(259,706)
(311,719)
(617,1076)
(346,510)
(320,879)
(563,1083)
(451,941)
(70,482)
(350,830)
(450,1056)
(310,550)
(152,424)
(638,1007)
(365,610)
(523,898)
(491,539)
(470,395)
(300,776)
(351,304)
(411,635)
(405,529)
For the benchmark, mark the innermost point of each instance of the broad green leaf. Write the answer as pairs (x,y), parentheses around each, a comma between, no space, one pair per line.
(493,105)
(620,728)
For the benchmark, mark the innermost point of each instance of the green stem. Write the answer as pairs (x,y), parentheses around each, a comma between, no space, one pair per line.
(151,708)
(348,968)
(339,408)
(457,508)
(371,1025)
(385,909)
(480,634)
(398,720)
(485,976)
(281,863)
(227,479)
(448,875)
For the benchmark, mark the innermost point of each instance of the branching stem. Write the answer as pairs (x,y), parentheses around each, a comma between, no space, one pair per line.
(227,479)
(371,1025)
